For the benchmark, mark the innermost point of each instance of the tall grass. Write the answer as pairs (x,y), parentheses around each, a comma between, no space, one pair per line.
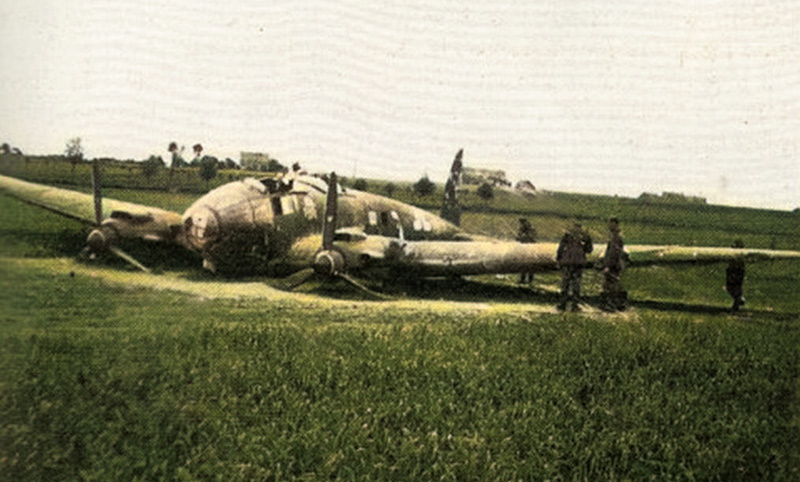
(110,383)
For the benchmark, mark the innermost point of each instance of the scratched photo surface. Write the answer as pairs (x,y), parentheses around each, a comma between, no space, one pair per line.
(399,240)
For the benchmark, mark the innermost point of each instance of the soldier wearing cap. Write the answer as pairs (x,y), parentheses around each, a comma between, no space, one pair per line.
(526,234)
(613,297)
(571,258)
(734,278)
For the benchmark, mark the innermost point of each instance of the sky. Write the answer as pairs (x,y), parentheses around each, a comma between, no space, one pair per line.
(614,97)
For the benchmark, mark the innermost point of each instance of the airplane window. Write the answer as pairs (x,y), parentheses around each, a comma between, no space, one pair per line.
(271,185)
(288,205)
(277,209)
(258,186)
(309,209)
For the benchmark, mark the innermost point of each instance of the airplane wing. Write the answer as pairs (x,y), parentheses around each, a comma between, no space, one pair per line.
(644,255)
(447,258)
(128,219)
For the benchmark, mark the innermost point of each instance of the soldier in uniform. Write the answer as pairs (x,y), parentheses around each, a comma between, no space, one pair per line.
(571,258)
(613,297)
(526,234)
(198,151)
(734,278)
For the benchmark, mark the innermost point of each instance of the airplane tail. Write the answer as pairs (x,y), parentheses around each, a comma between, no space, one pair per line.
(451,210)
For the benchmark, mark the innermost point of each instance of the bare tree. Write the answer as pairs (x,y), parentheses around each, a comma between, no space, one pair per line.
(74,152)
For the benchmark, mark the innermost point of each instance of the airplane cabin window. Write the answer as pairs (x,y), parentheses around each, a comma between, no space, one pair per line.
(277,209)
(288,204)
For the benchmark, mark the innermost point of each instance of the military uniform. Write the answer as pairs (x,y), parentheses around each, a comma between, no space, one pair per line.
(614,297)
(734,279)
(571,258)
(526,234)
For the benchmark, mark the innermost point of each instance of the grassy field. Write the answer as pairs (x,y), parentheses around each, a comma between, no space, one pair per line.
(55,170)
(104,379)
(549,212)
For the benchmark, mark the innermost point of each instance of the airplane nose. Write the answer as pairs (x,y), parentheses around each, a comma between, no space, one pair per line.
(201,226)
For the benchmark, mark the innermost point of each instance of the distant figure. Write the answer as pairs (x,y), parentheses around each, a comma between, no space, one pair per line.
(734,278)
(175,163)
(297,170)
(526,234)
(571,258)
(613,297)
(198,152)
(176,160)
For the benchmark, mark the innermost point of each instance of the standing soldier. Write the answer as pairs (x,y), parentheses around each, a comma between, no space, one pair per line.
(198,152)
(526,234)
(571,258)
(613,297)
(734,278)
(175,163)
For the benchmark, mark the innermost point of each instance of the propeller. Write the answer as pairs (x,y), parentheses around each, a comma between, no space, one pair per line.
(104,237)
(329,262)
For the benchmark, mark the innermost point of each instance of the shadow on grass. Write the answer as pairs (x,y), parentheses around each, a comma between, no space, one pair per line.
(453,289)
(480,291)
(674,306)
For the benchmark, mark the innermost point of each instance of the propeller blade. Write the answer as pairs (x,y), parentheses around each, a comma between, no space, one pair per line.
(361,287)
(130,259)
(98,197)
(296,279)
(329,224)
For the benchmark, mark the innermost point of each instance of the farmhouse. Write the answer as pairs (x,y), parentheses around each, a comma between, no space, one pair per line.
(525,187)
(257,161)
(475,175)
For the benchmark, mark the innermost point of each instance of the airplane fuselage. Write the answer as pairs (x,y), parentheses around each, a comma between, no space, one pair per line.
(256,225)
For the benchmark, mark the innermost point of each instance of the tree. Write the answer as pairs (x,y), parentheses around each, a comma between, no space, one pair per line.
(424,187)
(74,152)
(151,166)
(6,149)
(389,188)
(360,184)
(208,168)
(486,191)
(275,165)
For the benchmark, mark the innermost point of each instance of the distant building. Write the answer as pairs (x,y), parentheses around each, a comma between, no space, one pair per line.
(254,161)
(476,176)
(526,187)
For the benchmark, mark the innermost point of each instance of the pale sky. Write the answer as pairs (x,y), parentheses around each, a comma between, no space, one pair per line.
(611,97)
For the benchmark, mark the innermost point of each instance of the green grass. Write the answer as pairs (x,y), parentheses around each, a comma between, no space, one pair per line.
(56,170)
(107,381)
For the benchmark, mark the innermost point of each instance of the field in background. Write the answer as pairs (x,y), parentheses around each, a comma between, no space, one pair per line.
(103,381)
(549,212)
